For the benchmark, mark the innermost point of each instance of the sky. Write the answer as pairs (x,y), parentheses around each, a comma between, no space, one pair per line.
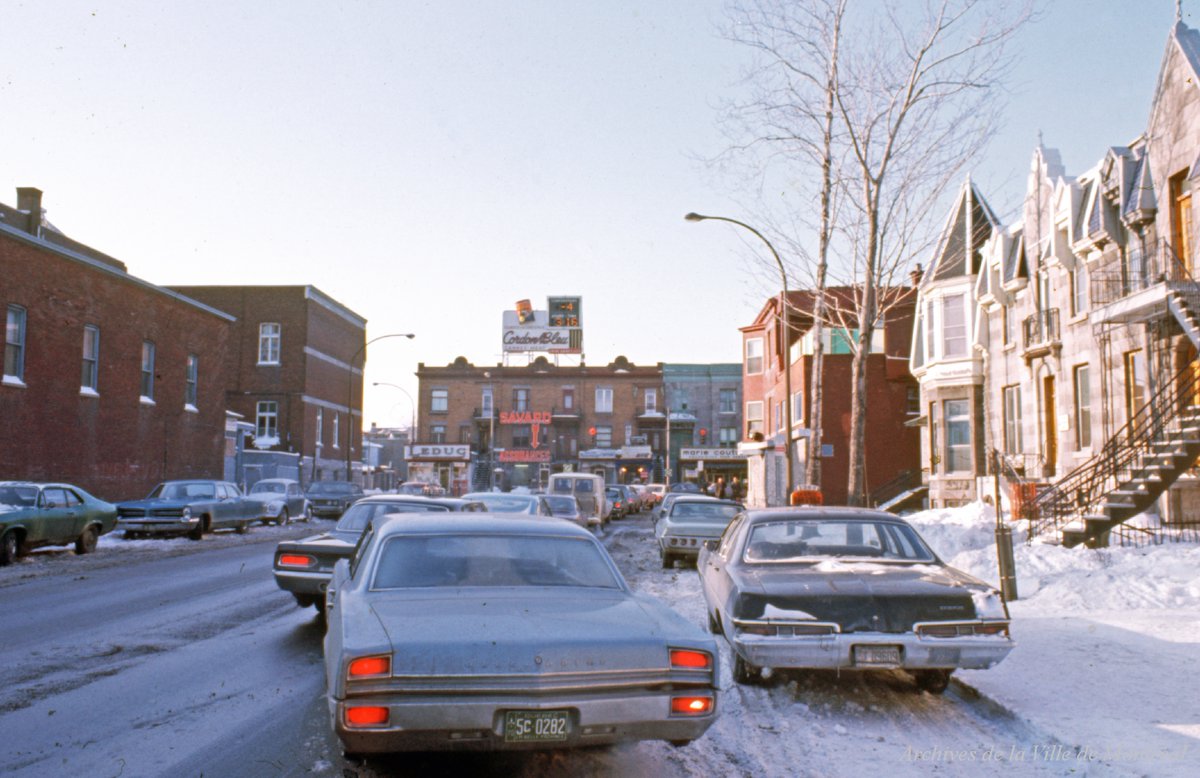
(428,164)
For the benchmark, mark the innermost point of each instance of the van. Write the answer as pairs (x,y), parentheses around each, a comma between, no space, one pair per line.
(588,491)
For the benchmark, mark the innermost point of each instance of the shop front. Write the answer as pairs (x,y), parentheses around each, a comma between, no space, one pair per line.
(443,464)
(706,465)
(529,467)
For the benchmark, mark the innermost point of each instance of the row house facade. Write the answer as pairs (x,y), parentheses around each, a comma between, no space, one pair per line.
(1068,338)
(295,364)
(507,426)
(892,444)
(705,403)
(109,381)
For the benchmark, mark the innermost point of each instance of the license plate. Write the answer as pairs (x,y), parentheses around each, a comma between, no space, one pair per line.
(877,655)
(535,726)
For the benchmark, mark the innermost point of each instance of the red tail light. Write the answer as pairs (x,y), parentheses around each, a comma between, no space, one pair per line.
(369,666)
(296,560)
(366,716)
(692,706)
(683,657)
(993,628)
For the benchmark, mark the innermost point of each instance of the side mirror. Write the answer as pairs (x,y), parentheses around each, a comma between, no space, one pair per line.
(711,545)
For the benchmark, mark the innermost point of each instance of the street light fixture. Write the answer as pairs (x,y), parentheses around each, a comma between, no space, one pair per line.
(362,351)
(787,332)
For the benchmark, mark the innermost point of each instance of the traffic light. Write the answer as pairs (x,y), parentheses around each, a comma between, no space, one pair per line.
(703,436)
(591,436)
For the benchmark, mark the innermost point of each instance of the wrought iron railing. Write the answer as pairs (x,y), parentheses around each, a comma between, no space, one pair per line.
(1158,264)
(904,481)
(1041,328)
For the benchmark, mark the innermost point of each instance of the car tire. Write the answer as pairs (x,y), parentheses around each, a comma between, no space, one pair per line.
(932,681)
(10,548)
(283,518)
(197,532)
(305,600)
(86,542)
(243,528)
(744,672)
(714,624)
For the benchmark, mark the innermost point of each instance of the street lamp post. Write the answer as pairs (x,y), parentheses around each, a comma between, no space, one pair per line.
(491,431)
(412,423)
(787,333)
(362,351)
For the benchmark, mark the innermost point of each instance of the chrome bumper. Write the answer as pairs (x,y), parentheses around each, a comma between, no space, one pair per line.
(837,651)
(302,582)
(441,724)
(158,525)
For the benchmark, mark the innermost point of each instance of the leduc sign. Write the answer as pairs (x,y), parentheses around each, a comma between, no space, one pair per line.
(420,451)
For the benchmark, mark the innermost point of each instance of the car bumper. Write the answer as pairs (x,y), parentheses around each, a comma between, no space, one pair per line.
(838,651)
(440,724)
(328,510)
(301,582)
(158,526)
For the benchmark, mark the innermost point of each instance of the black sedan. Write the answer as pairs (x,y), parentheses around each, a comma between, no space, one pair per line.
(332,498)
(303,567)
(846,588)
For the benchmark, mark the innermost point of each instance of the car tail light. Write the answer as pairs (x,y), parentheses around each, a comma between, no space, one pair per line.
(370,666)
(685,657)
(756,629)
(992,628)
(692,706)
(366,716)
(296,560)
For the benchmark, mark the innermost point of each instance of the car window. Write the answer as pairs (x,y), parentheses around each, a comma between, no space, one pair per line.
(267,487)
(18,496)
(364,541)
(72,498)
(461,560)
(506,503)
(714,512)
(185,491)
(814,540)
(585,485)
(729,537)
(53,497)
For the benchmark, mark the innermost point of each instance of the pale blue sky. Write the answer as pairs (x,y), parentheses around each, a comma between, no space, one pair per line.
(428,164)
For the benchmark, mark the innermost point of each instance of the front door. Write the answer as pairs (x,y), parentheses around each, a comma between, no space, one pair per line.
(1181,220)
(1049,426)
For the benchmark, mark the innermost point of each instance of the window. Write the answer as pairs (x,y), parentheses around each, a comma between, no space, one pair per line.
(1135,383)
(464,434)
(754,356)
(930,331)
(1012,420)
(320,426)
(89,378)
(1083,407)
(778,416)
(522,436)
(1079,289)
(266,425)
(520,399)
(958,435)
(439,401)
(729,436)
(437,433)
(147,370)
(568,399)
(603,437)
(337,432)
(797,407)
(651,398)
(1010,325)
(628,434)
(728,401)
(913,401)
(604,396)
(485,401)
(14,344)
(954,326)
(192,371)
(268,343)
(754,417)
(841,340)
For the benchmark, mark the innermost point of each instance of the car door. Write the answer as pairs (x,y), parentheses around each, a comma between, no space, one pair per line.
(50,521)
(76,516)
(714,567)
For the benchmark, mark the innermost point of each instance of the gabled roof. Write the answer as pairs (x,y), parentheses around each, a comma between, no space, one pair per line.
(970,225)
(1139,197)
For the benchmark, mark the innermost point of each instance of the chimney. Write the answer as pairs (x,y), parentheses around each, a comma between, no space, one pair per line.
(29,200)
(915,275)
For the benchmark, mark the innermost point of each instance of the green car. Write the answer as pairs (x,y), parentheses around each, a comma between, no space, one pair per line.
(33,515)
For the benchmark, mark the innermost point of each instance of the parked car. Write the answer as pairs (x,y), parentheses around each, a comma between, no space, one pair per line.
(501,502)
(420,488)
(332,498)
(50,514)
(688,522)
(303,567)
(588,489)
(618,503)
(484,633)
(846,588)
(565,506)
(657,491)
(189,508)
(633,499)
(280,499)
(685,486)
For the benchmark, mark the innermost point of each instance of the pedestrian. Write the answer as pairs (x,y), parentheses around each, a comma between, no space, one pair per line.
(735,489)
(720,494)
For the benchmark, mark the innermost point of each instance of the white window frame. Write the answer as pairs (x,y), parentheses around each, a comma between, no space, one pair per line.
(604,433)
(753,357)
(266,420)
(604,400)
(954,346)
(950,424)
(191,379)
(147,383)
(89,381)
(270,335)
(1014,442)
(1083,405)
(14,345)
(439,401)
(754,418)
(320,439)
(337,430)
(650,397)
(727,407)
(486,399)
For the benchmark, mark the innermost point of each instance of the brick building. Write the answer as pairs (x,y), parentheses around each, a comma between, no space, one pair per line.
(109,381)
(706,406)
(543,418)
(295,364)
(892,448)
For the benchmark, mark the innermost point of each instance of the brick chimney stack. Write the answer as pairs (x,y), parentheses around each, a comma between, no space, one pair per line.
(29,200)
(915,275)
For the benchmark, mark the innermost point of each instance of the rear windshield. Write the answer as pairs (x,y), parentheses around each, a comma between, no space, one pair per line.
(505,503)
(830,539)
(462,560)
(704,511)
(357,516)
(573,485)
(332,487)
(268,486)
(185,491)
(561,504)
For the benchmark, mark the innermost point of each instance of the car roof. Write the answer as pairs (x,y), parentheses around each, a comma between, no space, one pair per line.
(512,523)
(685,497)
(277,481)
(412,499)
(822,513)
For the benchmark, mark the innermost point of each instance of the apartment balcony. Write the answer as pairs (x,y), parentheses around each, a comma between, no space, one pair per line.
(1042,334)
(1137,290)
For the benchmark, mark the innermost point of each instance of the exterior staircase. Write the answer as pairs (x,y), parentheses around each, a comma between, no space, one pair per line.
(1137,464)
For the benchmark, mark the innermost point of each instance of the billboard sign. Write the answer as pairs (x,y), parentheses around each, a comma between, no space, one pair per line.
(557,330)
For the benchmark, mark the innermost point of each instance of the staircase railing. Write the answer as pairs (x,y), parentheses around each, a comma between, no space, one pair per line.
(1141,270)
(904,481)
(1082,491)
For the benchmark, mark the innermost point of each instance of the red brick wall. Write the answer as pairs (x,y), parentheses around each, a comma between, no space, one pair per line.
(111,445)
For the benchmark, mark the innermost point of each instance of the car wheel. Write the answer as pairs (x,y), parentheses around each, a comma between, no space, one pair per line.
(668,561)
(9,548)
(243,528)
(714,624)
(197,532)
(308,513)
(305,600)
(86,543)
(744,672)
(283,518)
(932,681)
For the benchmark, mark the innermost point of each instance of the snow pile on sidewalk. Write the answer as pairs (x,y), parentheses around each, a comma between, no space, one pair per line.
(1106,642)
